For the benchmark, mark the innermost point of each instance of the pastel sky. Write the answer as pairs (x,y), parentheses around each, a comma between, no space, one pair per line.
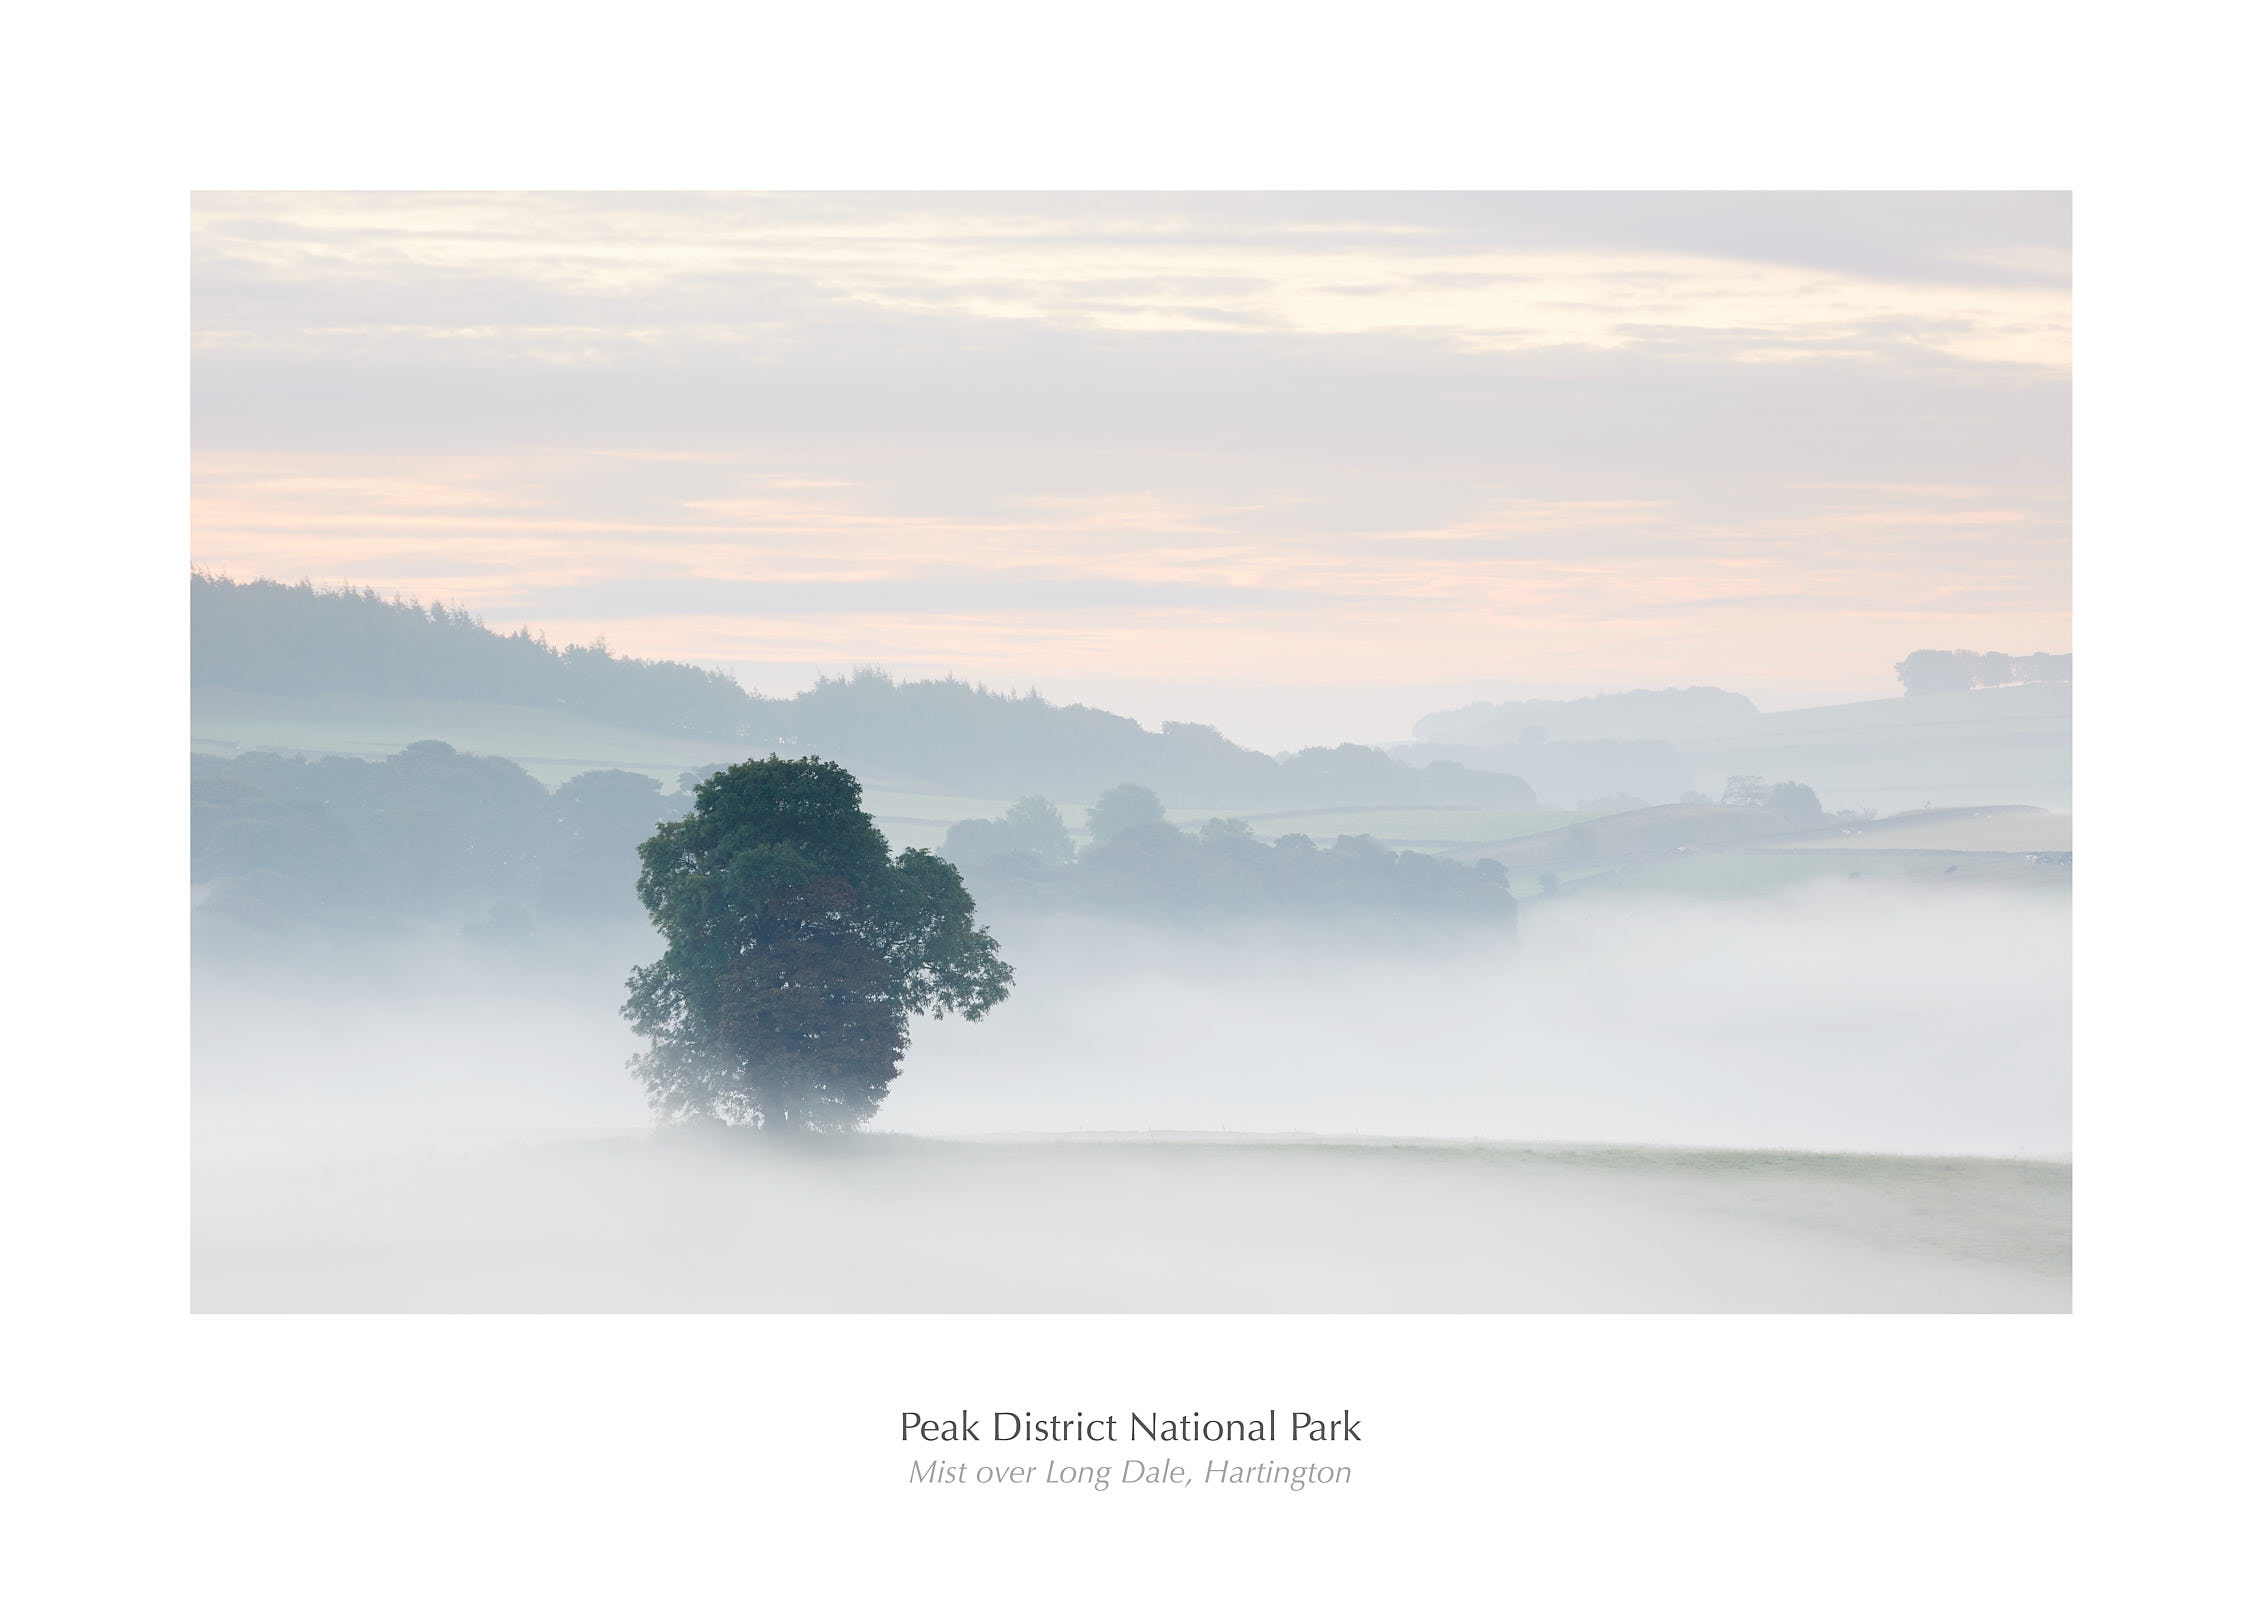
(1303,466)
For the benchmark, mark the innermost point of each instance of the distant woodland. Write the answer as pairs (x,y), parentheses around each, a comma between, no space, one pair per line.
(1157,872)
(286,847)
(283,844)
(276,638)
(281,638)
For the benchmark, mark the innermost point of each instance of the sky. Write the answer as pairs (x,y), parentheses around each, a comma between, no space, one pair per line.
(1303,466)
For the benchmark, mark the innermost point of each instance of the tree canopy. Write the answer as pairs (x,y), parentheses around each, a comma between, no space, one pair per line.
(798,951)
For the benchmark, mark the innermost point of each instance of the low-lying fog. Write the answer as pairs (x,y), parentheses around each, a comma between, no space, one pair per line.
(682,1223)
(1858,1019)
(449,1126)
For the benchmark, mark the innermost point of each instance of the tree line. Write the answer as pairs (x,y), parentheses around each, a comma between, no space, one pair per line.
(281,638)
(274,638)
(354,848)
(1139,865)
(282,843)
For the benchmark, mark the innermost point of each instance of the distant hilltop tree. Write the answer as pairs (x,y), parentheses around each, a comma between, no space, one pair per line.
(798,951)
(1794,800)
(1954,671)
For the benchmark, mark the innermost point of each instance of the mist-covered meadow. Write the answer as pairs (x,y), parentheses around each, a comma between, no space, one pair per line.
(691,1222)
(1344,1029)
(1848,1096)
(1499,779)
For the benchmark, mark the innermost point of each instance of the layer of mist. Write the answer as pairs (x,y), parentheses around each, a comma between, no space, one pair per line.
(1844,1018)
(683,1223)
(437,1033)
(1372,1119)
(1836,1020)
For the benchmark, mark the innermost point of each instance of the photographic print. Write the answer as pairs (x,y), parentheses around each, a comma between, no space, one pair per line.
(1131,752)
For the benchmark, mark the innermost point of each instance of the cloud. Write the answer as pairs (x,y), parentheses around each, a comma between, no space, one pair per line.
(1498,270)
(1619,438)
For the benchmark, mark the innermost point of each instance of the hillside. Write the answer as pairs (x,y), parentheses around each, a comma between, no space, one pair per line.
(2010,746)
(1714,851)
(304,670)
(2002,746)
(1655,830)
(296,639)
(314,671)
(1602,716)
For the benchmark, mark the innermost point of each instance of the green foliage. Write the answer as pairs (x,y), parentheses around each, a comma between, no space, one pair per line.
(798,951)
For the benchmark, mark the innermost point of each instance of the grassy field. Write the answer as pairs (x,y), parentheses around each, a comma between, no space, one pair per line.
(1155,1223)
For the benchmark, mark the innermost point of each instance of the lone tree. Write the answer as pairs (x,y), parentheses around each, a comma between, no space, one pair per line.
(798,952)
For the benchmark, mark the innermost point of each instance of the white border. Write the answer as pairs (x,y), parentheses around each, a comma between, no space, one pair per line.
(1560,1454)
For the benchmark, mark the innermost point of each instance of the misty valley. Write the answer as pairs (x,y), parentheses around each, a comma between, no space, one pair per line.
(1645,1000)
